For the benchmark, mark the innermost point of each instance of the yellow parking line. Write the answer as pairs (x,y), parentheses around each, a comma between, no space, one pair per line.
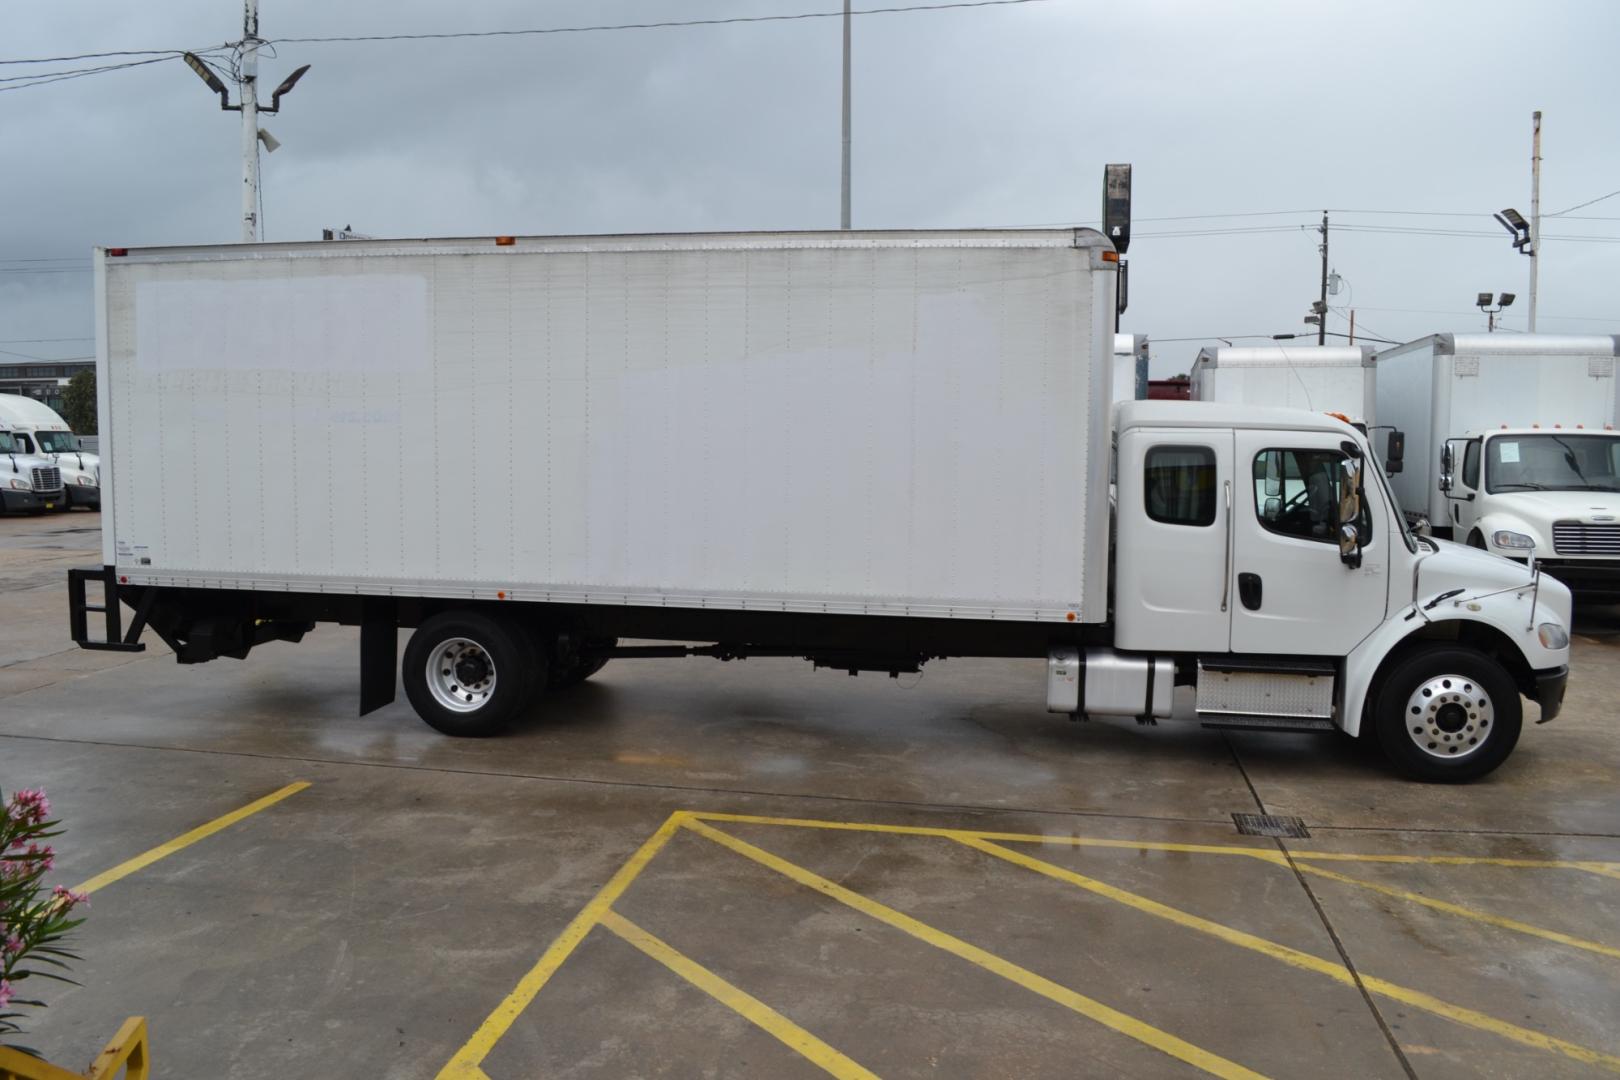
(1151,1036)
(740,1001)
(465,1064)
(1304,960)
(185,840)
(1466,912)
(1264,853)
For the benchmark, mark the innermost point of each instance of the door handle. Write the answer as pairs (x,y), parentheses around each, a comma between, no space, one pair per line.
(1249,590)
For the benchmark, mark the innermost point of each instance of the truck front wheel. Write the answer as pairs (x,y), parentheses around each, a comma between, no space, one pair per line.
(468,674)
(1447,714)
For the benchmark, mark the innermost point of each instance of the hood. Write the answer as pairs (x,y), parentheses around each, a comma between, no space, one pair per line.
(1565,505)
(25,462)
(1458,566)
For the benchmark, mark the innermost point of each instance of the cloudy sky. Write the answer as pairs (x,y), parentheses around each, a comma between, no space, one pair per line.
(1411,121)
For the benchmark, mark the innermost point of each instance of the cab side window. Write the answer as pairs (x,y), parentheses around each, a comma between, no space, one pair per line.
(1470,470)
(1179,484)
(24,443)
(1296,493)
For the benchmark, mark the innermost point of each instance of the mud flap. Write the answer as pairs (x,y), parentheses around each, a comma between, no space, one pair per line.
(379,652)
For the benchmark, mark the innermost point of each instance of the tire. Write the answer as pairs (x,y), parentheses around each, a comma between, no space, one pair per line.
(568,668)
(1447,714)
(469,674)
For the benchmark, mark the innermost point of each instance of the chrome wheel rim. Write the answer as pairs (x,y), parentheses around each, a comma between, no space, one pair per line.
(1449,717)
(461,675)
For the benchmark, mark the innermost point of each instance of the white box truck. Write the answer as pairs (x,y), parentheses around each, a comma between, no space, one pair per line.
(1322,378)
(866,449)
(38,429)
(1514,447)
(1130,367)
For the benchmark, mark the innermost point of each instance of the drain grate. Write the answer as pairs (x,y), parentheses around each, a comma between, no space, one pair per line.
(1271,825)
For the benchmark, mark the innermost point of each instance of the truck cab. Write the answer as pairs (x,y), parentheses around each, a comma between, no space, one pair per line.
(1548,492)
(1265,552)
(27,481)
(37,429)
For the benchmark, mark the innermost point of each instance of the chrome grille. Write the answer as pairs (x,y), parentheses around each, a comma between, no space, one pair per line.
(1577,538)
(48,479)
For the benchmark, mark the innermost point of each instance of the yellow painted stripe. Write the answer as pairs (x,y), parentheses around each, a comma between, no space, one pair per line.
(465,1064)
(1159,1040)
(1304,960)
(185,840)
(1467,912)
(1266,854)
(739,1001)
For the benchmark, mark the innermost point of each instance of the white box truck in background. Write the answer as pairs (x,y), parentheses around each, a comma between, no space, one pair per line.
(1513,447)
(38,429)
(1130,367)
(866,449)
(1322,378)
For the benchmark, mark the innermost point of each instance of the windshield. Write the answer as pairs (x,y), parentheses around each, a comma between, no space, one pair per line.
(7,446)
(1552,462)
(57,442)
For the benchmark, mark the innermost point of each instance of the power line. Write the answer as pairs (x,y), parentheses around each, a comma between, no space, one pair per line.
(731,20)
(94,56)
(46,77)
(1588,202)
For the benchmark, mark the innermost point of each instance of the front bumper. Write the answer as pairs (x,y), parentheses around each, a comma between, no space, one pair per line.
(84,495)
(1585,577)
(1550,686)
(13,500)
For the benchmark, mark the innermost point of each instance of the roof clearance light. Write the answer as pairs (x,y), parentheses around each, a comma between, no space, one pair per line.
(1110,256)
(505,241)
(118,253)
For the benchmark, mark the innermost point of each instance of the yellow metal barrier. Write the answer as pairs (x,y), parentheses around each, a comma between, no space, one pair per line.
(126,1053)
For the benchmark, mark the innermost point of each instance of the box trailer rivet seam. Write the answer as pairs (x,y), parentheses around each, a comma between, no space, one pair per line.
(868,450)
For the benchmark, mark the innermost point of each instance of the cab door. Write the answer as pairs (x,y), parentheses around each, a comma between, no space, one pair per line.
(1294,595)
(1172,553)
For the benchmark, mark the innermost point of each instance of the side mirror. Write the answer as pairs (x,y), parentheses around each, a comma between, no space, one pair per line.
(1349,511)
(1273,509)
(1446,458)
(1445,481)
(1394,452)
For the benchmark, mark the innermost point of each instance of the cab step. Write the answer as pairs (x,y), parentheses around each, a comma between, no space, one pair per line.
(1232,722)
(1266,693)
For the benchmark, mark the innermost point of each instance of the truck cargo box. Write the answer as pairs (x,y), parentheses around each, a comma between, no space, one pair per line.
(892,423)
(1321,378)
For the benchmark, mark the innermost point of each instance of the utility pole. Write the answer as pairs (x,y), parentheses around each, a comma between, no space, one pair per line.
(843,219)
(250,121)
(1535,212)
(1321,307)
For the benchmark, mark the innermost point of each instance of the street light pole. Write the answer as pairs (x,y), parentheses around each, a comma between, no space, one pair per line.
(843,219)
(1535,213)
(250,121)
(1321,307)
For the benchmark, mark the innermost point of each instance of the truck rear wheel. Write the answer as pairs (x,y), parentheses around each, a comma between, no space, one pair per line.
(1447,714)
(468,674)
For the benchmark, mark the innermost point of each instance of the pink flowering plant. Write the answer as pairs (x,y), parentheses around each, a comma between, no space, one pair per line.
(34,919)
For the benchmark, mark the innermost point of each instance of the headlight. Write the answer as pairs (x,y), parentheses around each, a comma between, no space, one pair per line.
(1518,541)
(85,481)
(1552,636)
(21,485)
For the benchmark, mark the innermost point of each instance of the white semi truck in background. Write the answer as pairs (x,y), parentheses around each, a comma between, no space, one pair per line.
(1130,367)
(1322,378)
(1513,447)
(28,481)
(37,429)
(866,449)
